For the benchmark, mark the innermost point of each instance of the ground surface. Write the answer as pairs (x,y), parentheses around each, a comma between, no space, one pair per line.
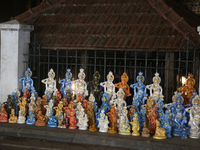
(18,143)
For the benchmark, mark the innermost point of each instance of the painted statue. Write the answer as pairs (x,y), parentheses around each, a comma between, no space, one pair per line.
(140,89)
(41,120)
(92,99)
(178,115)
(105,105)
(30,119)
(188,89)
(52,122)
(96,86)
(91,117)
(119,103)
(124,127)
(112,119)
(135,125)
(82,120)
(166,124)
(66,87)
(145,130)
(81,85)
(108,85)
(21,118)
(123,84)
(27,81)
(194,122)
(155,89)
(103,122)
(50,84)
(159,132)
(3,114)
(153,118)
(13,118)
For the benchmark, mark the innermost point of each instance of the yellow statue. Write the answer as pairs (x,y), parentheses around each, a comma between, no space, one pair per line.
(188,89)
(13,118)
(160,133)
(22,106)
(135,126)
(123,84)
(58,109)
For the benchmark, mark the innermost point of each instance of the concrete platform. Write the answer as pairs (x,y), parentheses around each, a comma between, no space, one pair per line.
(96,138)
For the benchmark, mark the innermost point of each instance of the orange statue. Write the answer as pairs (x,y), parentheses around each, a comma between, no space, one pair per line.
(90,115)
(72,119)
(131,112)
(123,84)
(41,120)
(3,114)
(188,89)
(113,120)
(79,98)
(43,103)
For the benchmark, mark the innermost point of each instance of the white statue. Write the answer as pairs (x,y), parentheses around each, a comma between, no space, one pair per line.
(49,108)
(194,118)
(103,122)
(108,85)
(124,127)
(155,88)
(82,120)
(120,103)
(21,118)
(50,84)
(78,108)
(81,85)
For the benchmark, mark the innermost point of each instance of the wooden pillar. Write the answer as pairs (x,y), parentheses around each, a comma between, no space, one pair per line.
(169,77)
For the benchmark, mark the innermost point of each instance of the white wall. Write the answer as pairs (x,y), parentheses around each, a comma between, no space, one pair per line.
(15,38)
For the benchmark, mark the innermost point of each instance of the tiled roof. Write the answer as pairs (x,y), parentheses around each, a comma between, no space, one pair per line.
(109,24)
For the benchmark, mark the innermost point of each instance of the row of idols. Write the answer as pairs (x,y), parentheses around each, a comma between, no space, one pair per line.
(145,115)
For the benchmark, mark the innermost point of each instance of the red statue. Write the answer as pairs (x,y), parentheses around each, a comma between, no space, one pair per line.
(153,118)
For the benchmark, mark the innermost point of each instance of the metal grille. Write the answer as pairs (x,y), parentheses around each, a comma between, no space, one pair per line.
(170,66)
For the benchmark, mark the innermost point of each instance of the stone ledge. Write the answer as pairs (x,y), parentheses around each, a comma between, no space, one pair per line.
(97,138)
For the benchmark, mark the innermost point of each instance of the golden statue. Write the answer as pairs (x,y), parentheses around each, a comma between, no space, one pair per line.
(58,109)
(145,130)
(13,118)
(160,133)
(188,89)
(90,114)
(123,84)
(22,106)
(135,125)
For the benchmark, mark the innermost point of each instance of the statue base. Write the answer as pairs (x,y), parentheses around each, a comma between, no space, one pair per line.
(62,126)
(125,133)
(82,128)
(30,123)
(103,130)
(136,134)
(4,120)
(40,124)
(159,137)
(145,135)
(12,121)
(52,125)
(72,127)
(112,131)
(93,129)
